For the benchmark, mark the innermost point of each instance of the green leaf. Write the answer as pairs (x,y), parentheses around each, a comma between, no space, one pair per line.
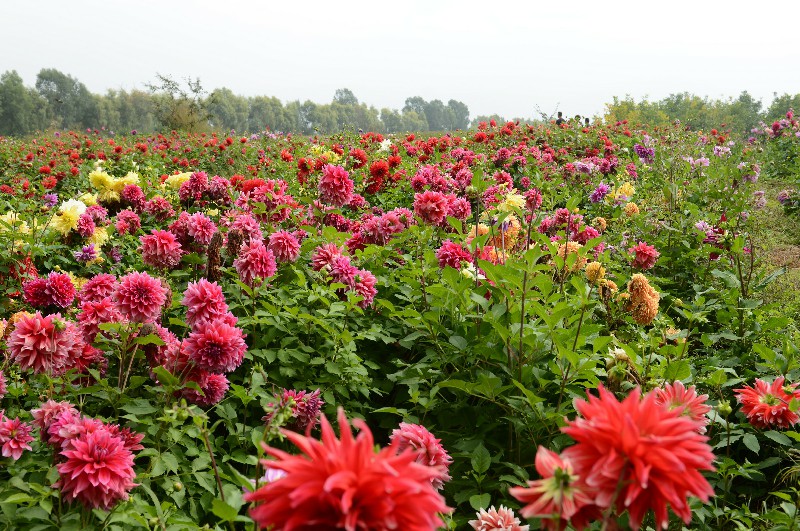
(481,460)
(223,510)
(480,501)
(139,406)
(677,370)
(170,461)
(751,441)
(459,342)
(778,437)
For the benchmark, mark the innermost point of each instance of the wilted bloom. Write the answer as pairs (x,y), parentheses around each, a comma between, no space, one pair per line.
(427,447)
(344,484)
(643,301)
(639,455)
(502,519)
(767,405)
(305,409)
(97,469)
(595,272)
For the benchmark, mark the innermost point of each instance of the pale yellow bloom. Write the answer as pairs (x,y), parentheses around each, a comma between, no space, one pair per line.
(16,225)
(67,217)
(88,199)
(99,237)
(631,209)
(512,200)
(130,178)
(625,190)
(101,180)
(595,271)
(175,181)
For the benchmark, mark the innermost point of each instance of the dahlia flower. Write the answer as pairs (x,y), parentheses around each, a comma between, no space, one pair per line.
(767,405)
(427,447)
(502,519)
(97,288)
(215,346)
(344,484)
(97,470)
(677,396)
(431,206)
(160,249)
(305,409)
(14,437)
(284,246)
(204,301)
(255,261)
(45,344)
(645,256)
(335,186)
(639,455)
(453,255)
(139,297)
(323,256)
(201,228)
(643,301)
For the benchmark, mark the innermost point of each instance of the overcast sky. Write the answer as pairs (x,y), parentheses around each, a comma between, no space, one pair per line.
(505,57)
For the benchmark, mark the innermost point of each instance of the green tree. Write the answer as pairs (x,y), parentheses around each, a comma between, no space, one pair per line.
(345,96)
(18,106)
(460,114)
(781,104)
(70,104)
(180,107)
(392,120)
(229,111)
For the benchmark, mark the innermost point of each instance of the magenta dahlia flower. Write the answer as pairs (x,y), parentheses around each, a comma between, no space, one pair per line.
(215,346)
(139,297)
(161,249)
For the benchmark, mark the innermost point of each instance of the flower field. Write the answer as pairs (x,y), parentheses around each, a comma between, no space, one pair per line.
(513,327)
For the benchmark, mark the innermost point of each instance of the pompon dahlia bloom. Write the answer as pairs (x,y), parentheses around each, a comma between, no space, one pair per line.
(453,255)
(46,344)
(139,297)
(14,437)
(97,288)
(255,261)
(161,249)
(204,301)
(767,405)
(426,447)
(559,497)
(323,256)
(676,395)
(431,206)
(639,455)
(284,246)
(215,346)
(98,469)
(645,256)
(344,484)
(502,519)
(335,186)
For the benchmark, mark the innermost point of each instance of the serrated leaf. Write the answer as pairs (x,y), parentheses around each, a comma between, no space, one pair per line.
(778,437)
(480,501)
(481,460)
(751,441)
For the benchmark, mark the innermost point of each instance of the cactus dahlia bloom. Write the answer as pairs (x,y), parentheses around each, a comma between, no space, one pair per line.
(428,448)
(139,297)
(767,405)
(343,483)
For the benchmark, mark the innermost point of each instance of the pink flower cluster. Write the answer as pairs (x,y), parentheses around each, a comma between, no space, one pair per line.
(54,290)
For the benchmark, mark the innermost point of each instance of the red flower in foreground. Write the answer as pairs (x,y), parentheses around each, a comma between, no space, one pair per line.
(431,206)
(639,455)
(344,484)
(767,405)
(98,470)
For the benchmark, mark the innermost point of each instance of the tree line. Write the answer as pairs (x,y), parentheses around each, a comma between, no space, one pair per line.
(59,101)
(739,115)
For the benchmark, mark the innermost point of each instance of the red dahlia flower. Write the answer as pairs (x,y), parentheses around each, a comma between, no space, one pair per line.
(767,405)
(344,484)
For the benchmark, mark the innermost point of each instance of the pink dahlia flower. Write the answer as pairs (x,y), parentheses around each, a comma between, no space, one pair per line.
(97,471)
(161,249)
(98,287)
(204,301)
(284,246)
(676,395)
(14,437)
(646,256)
(215,346)
(453,255)
(139,297)
(201,228)
(502,519)
(45,344)
(255,262)
(431,206)
(323,256)
(426,447)
(766,405)
(48,412)
(364,285)
(335,186)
